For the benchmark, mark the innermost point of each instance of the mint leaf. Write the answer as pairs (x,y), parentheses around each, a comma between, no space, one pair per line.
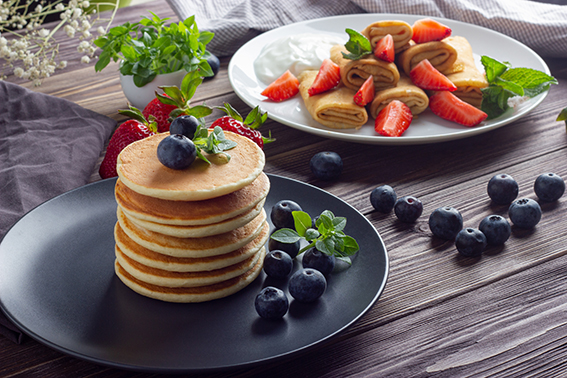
(302,222)
(358,45)
(493,68)
(563,115)
(285,235)
(529,78)
(212,143)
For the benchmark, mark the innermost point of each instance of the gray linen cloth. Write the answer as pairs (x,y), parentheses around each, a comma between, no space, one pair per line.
(48,146)
(541,26)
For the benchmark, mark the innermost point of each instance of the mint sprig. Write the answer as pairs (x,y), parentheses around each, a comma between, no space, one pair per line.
(211,143)
(505,82)
(328,237)
(358,45)
(563,116)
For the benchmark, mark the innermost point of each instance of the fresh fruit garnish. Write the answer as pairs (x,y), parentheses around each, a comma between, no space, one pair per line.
(176,151)
(427,77)
(132,130)
(271,303)
(502,189)
(318,260)
(307,285)
(470,242)
(549,187)
(328,77)
(408,209)
(445,222)
(233,122)
(365,93)
(326,165)
(384,49)
(496,229)
(448,106)
(281,214)
(383,198)
(160,112)
(394,119)
(428,30)
(185,125)
(278,264)
(283,88)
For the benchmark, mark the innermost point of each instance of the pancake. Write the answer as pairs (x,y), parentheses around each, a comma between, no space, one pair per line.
(199,231)
(190,294)
(187,264)
(139,169)
(168,278)
(193,247)
(190,213)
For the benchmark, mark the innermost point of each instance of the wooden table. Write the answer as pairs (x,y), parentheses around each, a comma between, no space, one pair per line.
(440,315)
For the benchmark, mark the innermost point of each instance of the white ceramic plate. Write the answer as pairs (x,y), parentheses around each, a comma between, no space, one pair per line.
(427,128)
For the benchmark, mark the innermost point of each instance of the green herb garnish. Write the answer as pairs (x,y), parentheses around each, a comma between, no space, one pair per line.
(505,82)
(563,116)
(328,238)
(358,45)
(212,143)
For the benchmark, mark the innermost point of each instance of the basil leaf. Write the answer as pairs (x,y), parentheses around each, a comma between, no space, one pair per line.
(302,222)
(285,235)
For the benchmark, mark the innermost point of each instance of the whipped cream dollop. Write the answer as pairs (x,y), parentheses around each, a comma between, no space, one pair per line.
(296,53)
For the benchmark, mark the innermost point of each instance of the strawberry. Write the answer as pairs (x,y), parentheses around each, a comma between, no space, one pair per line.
(394,119)
(328,77)
(128,132)
(448,106)
(366,92)
(384,49)
(233,122)
(427,77)
(428,30)
(160,112)
(283,88)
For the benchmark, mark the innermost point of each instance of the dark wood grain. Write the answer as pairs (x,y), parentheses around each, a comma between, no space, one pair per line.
(441,315)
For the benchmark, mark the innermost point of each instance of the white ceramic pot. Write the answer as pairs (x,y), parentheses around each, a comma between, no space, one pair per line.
(140,97)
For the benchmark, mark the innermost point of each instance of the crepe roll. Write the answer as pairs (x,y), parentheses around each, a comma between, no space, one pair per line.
(355,72)
(335,108)
(400,31)
(470,80)
(414,97)
(440,54)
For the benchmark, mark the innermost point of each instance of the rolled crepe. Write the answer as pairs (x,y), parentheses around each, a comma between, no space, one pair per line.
(406,92)
(440,54)
(400,31)
(335,108)
(470,80)
(355,72)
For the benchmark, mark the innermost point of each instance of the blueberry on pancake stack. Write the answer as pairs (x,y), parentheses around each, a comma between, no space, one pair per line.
(195,234)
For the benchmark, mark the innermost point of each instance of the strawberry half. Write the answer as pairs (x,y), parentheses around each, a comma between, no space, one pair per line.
(233,122)
(284,87)
(160,112)
(448,106)
(328,77)
(366,92)
(394,119)
(428,30)
(384,49)
(427,77)
(128,132)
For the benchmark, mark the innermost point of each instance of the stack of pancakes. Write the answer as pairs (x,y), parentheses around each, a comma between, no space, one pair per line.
(190,235)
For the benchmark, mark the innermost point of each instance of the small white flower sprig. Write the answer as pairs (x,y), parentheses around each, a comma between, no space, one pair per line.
(28,45)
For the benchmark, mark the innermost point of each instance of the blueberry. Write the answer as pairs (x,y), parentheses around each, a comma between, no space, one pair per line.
(318,260)
(271,303)
(502,189)
(176,151)
(496,229)
(383,198)
(326,165)
(470,242)
(281,214)
(524,213)
(408,209)
(445,222)
(292,249)
(184,125)
(278,264)
(214,62)
(307,285)
(549,187)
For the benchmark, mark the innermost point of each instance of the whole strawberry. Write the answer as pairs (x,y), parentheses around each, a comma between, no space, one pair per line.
(160,112)
(248,127)
(128,132)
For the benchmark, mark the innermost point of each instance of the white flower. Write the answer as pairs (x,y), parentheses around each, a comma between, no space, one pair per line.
(38,8)
(19,72)
(60,7)
(62,64)
(43,33)
(85,4)
(85,59)
(100,30)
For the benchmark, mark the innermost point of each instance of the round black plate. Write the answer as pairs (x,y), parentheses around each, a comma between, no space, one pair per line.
(57,284)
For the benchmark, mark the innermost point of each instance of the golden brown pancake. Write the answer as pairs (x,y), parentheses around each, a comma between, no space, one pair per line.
(139,169)
(187,264)
(190,213)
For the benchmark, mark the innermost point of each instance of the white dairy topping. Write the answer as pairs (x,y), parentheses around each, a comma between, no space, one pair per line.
(295,53)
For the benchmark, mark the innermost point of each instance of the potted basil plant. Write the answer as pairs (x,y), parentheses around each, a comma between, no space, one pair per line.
(153,54)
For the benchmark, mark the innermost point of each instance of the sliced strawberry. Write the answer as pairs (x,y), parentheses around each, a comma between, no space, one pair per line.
(428,30)
(448,106)
(394,119)
(384,49)
(327,78)
(283,88)
(366,92)
(427,77)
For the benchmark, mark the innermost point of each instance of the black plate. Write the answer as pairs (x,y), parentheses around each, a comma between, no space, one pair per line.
(57,284)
